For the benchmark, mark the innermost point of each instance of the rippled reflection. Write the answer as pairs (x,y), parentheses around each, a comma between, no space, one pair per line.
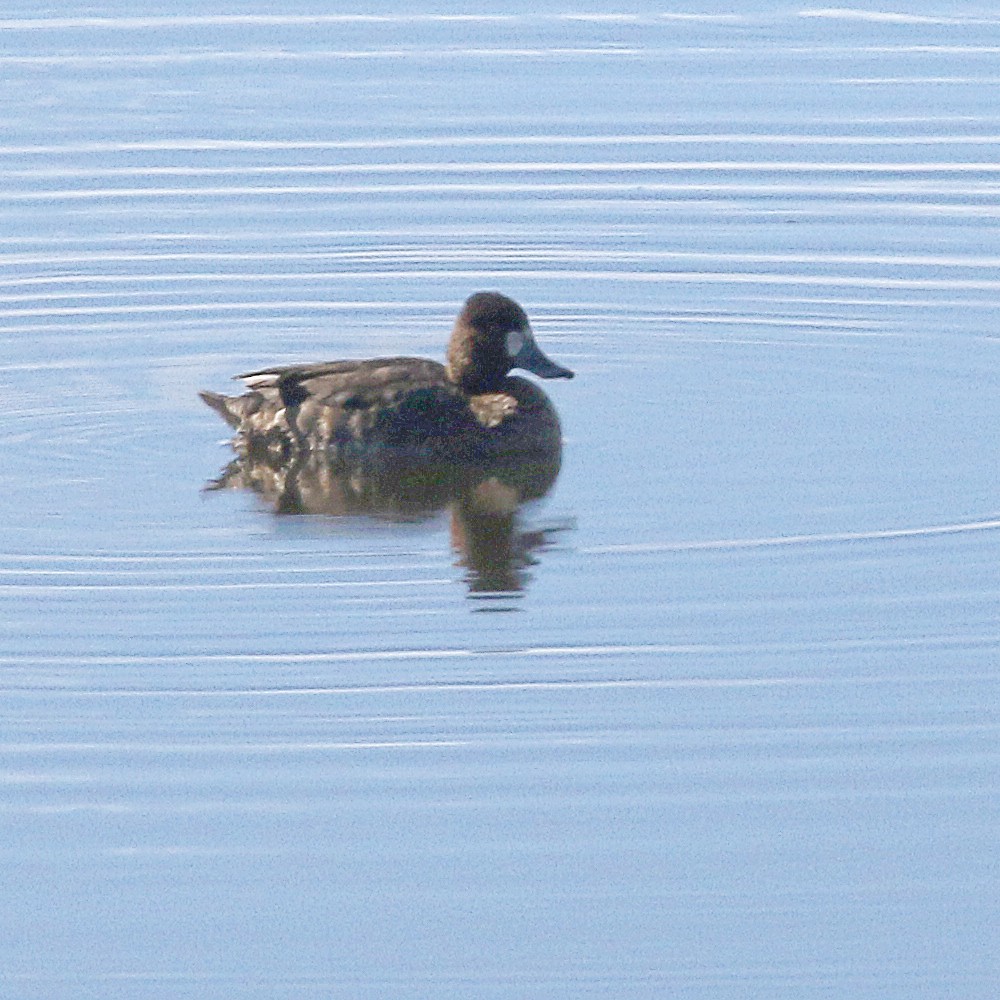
(485,501)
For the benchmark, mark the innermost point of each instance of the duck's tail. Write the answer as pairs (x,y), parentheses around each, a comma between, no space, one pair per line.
(226,406)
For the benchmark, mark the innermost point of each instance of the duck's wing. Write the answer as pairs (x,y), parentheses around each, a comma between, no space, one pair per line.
(343,405)
(348,385)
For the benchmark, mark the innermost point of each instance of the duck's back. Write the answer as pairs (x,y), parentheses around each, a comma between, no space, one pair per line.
(346,407)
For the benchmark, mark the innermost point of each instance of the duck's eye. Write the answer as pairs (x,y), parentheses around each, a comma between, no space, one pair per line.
(515,341)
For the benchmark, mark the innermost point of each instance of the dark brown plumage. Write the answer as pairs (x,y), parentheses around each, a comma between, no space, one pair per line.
(469,410)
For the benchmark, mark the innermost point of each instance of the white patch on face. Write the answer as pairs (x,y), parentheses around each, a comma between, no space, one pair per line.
(515,341)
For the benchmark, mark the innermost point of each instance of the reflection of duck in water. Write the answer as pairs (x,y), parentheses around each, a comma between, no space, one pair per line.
(466,411)
(484,502)
(403,437)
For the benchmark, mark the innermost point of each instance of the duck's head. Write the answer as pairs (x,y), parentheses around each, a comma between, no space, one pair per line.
(491,336)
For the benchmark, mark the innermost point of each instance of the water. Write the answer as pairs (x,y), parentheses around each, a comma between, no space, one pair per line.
(730,727)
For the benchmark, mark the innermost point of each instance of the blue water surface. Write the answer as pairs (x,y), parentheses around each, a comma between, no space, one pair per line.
(732,730)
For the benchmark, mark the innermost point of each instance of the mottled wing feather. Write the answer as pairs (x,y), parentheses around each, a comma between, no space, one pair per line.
(364,383)
(348,384)
(346,404)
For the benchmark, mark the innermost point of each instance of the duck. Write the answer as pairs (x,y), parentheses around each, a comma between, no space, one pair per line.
(469,409)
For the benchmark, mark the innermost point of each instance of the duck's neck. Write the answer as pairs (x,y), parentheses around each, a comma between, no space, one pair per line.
(474,367)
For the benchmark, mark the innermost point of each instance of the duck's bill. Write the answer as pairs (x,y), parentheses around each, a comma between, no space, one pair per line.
(531,359)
